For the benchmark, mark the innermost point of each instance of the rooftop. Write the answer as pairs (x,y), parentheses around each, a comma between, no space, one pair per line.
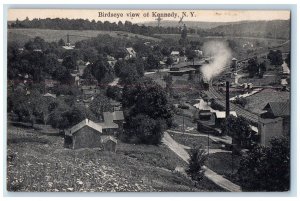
(82,124)
(278,109)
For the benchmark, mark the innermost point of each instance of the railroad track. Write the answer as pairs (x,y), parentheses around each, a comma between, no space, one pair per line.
(220,99)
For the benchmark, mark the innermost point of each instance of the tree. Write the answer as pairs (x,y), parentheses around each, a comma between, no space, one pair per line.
(99,105)
(143,129)
(61,42)
(169,81)
(196,162)
(152,62)
(262,69)
(266,168)
(114,92)
(120,64)
(64,116)
(69,62)
(275,56)
(169,61)
(129,75)
(102,71)
(147,97)
(238,128)
(252,67)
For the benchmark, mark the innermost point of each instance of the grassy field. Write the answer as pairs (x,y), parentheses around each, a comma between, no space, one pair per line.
(193,141)
(221,163)
(38,162)
(50,35)
(257,102)
(260,45)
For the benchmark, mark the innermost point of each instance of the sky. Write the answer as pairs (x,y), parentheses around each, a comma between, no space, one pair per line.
(150,15)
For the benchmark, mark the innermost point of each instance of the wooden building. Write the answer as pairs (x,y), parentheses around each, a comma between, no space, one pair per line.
(88,134)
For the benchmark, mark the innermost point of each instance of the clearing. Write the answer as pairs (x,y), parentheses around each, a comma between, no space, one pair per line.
(51,35)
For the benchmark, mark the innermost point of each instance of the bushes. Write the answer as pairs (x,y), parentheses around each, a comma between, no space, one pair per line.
(143,129)
(197,161)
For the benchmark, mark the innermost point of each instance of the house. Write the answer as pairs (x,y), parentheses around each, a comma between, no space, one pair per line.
(113,123)
(130,53)
(175,56)
(274,121)
(68,47)
(285,69)
(176,71)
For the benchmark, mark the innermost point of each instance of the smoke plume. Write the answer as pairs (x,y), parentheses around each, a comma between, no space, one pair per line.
(221,55)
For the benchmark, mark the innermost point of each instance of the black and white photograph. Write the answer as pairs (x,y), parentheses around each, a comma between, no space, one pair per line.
(146,100)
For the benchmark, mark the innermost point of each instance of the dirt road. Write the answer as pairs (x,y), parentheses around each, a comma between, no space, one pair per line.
(211,175)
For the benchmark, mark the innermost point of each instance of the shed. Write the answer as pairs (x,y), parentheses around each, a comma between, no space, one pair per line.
(109,143)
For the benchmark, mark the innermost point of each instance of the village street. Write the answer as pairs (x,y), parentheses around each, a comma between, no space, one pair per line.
(213,176)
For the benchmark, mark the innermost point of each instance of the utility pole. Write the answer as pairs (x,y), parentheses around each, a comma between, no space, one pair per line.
(182,124)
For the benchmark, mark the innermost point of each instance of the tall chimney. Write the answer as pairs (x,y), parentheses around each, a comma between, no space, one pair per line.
(227,99)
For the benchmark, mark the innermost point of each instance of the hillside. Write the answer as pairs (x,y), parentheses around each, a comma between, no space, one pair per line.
(190,24)
(23,35)
(265,29)
(37,162)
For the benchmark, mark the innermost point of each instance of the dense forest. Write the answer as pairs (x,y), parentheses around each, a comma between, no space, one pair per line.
(279,29)
(81,24)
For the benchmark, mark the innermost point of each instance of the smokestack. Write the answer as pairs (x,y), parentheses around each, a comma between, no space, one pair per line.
(227,99)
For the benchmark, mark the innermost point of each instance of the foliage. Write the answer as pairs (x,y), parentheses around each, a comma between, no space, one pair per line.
(262,69)
(128,74)
(64,116)
(102,71)
(147,97)
(169,81)
(143,129)
(275,56)
(99,105)
(114,92)
(196,162)
(266,168)
(238,128)
(252,67)
(152,62)
(169,61)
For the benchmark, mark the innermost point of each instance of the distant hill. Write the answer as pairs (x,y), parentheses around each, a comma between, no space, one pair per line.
(266,29)
(190,24)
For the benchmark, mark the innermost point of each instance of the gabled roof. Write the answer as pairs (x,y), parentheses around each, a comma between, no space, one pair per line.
(110,117)
(130,50)
(113,116)
(82,124)
(50,95)
(106,138)
(278,109)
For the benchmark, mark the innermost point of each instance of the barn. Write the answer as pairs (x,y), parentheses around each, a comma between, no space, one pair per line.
(88,134)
